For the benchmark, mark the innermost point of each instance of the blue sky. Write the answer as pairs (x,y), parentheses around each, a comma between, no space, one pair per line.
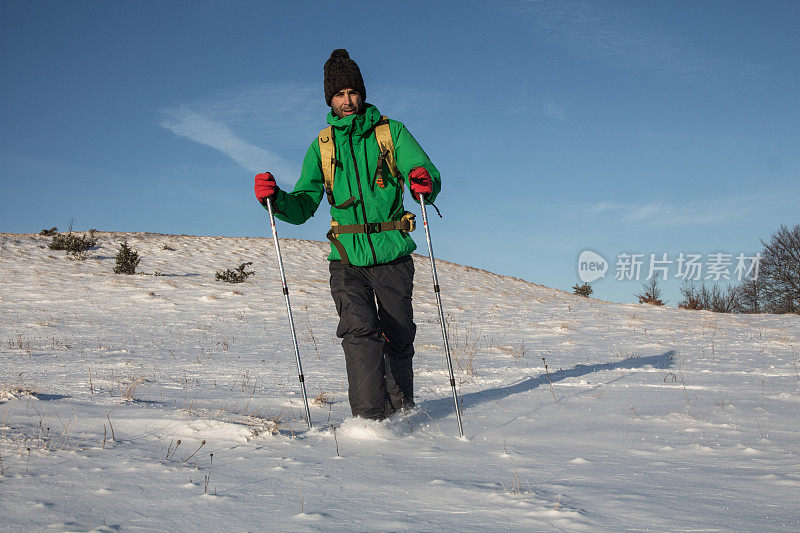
(619,127)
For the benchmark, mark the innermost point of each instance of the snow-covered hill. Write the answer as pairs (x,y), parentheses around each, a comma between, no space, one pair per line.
(650,418)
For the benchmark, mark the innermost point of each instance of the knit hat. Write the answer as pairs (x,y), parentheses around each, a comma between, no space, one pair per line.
(341,72)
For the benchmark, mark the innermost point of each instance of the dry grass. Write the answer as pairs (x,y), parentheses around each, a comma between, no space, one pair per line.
(190,406)
(40,436)
(260,426)
(465,344)
(516,487)
(19,343)
(17,392)
(121,386)
(323,398)
(130,389)
(310,333)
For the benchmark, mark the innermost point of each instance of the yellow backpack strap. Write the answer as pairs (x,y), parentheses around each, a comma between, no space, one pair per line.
(386,145)
(327,157)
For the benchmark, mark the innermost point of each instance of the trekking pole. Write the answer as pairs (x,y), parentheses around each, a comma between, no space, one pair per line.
(441,314)
(289,311)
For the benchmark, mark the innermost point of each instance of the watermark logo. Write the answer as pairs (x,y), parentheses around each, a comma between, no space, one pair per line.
(591,266)
(686,266)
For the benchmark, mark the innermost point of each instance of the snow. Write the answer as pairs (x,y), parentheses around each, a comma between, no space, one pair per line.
(647,418)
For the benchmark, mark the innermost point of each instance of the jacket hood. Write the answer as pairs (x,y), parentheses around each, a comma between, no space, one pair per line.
(360,123)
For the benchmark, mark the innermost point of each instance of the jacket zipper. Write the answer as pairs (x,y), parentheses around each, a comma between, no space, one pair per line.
(361,195)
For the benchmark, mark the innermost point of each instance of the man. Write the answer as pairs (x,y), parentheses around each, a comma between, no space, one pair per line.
(372,272)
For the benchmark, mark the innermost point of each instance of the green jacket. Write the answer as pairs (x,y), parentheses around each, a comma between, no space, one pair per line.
(357,155)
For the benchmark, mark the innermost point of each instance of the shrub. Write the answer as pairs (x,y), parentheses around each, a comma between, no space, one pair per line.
(722,300)
(751,295)
(235,276)
(74,245)
(582,290)
(692,297)
(49,232)
(127,260)
(711,298)
(651,293)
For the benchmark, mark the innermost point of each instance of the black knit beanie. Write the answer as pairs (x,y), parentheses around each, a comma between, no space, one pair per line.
(341,72)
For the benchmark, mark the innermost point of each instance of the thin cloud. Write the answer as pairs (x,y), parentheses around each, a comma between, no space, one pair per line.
(217,135)
(284,117)
(413,104)
(686,214)
(552,110)
(617,33)
(545,106)
(264,127)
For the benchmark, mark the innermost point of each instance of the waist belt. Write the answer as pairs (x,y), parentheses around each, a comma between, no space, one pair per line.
(404,224)
(372,227)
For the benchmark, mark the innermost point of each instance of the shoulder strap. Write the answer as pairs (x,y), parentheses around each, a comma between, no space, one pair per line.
(386,145)
(327,157)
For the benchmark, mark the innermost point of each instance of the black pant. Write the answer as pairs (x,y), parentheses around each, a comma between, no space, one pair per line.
(376,325)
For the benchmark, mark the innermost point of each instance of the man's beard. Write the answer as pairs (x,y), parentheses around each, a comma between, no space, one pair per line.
(354,110)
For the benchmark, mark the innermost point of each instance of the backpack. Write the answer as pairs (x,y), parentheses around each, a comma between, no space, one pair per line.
(327,155)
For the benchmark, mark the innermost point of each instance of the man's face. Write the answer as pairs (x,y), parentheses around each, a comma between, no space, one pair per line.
(346,102)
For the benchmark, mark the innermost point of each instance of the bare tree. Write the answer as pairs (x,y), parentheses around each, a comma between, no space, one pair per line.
(780,270)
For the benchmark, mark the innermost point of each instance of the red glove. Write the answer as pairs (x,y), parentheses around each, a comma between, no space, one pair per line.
(420,182)
(265,187)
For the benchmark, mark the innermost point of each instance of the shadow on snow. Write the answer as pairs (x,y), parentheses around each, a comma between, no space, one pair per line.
(443,407)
